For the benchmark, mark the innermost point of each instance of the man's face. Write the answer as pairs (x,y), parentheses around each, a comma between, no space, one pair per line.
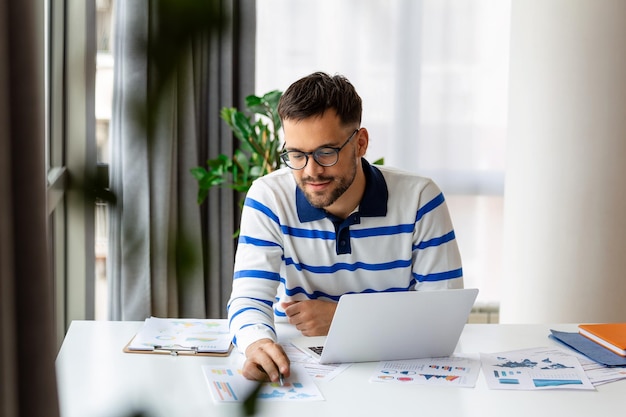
(321,185)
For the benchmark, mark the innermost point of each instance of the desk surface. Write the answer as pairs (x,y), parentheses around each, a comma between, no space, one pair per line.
(96,378)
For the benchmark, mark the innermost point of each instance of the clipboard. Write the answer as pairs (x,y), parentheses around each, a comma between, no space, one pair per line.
(190,337)
(175,351)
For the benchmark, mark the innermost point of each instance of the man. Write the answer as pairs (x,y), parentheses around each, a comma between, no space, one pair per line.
(330,223)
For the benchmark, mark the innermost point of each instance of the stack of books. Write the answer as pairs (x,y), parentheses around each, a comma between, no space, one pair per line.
(610,335)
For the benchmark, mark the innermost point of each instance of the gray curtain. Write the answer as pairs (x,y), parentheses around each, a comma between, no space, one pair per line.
(27,352)
(169,257)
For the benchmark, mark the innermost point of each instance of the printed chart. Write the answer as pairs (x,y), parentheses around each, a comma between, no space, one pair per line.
(452,371)
(534,369)
(201,334)
(229,385)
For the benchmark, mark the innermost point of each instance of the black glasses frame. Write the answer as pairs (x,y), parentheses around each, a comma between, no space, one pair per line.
(316,154)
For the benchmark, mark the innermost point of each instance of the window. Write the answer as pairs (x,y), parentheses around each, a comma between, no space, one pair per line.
(103,102)
(433,78)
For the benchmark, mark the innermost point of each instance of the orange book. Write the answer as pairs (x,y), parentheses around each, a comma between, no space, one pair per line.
(610,335)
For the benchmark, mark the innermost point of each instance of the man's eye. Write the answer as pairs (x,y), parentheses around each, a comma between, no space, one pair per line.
(325,152)
(296,156)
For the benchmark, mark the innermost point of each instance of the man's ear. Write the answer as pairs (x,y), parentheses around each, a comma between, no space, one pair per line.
(362,141)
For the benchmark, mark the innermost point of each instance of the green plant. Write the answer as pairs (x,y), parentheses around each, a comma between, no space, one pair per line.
(258,153)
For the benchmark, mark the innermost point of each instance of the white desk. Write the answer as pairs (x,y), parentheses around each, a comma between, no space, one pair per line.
(96,379)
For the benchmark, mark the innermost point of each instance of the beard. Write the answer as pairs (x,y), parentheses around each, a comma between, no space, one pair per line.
(337,187)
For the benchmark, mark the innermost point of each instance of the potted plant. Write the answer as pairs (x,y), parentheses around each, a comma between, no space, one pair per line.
(258,153)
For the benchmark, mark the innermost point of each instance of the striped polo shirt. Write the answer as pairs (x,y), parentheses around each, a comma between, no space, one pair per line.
(399,238)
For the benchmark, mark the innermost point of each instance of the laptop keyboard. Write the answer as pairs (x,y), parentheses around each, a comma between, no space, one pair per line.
(317,349)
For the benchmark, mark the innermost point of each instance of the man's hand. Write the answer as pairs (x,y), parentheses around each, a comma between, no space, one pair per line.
(265,360)
(311,317)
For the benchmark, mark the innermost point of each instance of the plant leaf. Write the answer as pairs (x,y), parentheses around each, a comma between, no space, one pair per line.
(257,153)
(198,173)
(253,101)
(241,126)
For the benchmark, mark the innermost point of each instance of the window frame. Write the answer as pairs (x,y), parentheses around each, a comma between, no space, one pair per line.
(70,157)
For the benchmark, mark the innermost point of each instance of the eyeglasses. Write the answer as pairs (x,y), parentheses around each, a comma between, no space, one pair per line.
(326,156)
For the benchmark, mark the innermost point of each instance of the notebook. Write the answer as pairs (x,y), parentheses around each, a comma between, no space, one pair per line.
(610,335)
(392,326)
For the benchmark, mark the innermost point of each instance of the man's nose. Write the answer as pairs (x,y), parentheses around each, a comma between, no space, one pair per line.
(312,167)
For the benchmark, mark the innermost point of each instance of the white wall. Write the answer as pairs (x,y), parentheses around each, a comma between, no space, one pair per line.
(565,196)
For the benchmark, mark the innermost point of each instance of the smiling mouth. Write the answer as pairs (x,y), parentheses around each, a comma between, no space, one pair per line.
(319,183)
(317,186)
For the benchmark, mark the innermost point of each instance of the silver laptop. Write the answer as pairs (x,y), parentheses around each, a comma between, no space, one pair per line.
(392,326)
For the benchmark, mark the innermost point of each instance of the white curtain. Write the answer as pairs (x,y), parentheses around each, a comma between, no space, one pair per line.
(433,78)
(169,257)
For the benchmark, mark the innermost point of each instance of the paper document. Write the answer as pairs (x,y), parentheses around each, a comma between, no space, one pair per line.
(459,371)
(199,335)
(534,369)
(229,385)
(312,366)
(597,373)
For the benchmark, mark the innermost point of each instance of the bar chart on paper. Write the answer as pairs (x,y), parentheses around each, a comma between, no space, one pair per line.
(534,369)
(229,385)
(221,386)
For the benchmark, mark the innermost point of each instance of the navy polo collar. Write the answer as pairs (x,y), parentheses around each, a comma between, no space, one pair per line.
(373,203)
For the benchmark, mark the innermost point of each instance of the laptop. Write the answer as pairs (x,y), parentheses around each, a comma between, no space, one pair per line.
(392,326)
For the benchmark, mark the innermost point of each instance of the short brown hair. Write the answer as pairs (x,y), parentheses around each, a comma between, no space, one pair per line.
(314,94)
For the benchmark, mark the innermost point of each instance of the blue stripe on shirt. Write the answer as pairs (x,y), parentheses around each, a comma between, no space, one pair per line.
(430,206)
(262,208)
(256,273)
(268,303)
(400,263)
(354,233)
(382,231)
(306,233)
(436,241)
(440,276)
(328,235)
(335,297)
(242,310)
(257,242)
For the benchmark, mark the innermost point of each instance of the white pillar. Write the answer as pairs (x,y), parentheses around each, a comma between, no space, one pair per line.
(565,190)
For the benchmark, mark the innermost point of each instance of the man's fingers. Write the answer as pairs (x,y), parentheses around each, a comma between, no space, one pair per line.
(266,361)
(254,372)
(287,308)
